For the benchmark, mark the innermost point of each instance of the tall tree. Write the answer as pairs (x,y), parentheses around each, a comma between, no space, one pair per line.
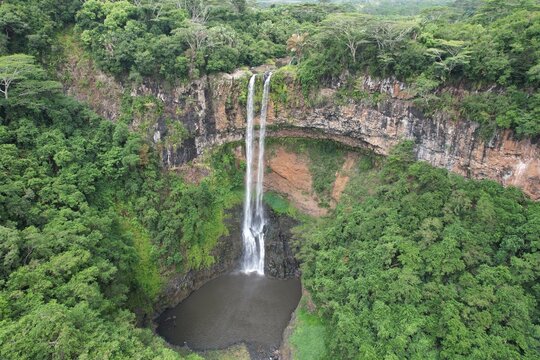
(20,76)
(350,29)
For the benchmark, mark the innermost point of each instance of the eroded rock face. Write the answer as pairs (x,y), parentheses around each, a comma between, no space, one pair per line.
(289,175)
(441,141)
(280,261)
(213,110)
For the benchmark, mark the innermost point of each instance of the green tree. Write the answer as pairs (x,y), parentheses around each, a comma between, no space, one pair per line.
(21,77)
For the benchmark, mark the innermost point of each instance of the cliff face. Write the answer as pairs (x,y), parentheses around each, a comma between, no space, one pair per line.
(212,111)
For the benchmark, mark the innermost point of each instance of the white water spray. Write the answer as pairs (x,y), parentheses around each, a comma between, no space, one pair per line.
(254,219)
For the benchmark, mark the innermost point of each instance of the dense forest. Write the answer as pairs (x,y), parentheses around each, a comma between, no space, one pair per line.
(476,45)
(417,263)
(414,262)
(87,216)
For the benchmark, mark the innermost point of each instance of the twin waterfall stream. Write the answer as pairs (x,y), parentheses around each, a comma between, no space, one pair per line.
(254,219)
(248,306)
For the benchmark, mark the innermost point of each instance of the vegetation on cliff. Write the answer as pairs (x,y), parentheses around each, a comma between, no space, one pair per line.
(419,263)
(493,48)
(482,46)
(89,224)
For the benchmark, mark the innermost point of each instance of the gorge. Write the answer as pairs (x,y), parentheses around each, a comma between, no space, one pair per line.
(241,307)
(303,180)
(213,113)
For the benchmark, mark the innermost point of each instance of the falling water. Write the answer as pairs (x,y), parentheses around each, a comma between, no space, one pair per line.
(250,246)
(254,220)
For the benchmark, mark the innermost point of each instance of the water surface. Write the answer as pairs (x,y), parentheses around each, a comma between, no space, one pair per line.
(231,309)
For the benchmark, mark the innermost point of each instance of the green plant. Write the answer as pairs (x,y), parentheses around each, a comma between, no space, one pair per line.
(176,133)
(309,336)
(279,204)
(403,262)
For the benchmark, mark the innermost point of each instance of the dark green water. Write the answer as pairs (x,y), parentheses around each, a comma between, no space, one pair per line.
(231,309)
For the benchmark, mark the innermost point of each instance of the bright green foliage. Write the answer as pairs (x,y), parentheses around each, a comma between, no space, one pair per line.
(513,110)
(88,223)
(196,232)
(22,79)
(280,91)
(29,25)
(189,221)
(179,40)
(308,338)
(66,266)
(325,160)
(280,205)
(52,330)
(177,133)
(418,263)
(146,275)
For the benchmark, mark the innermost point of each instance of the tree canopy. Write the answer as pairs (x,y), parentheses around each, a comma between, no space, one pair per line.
(85,225)
(418,263)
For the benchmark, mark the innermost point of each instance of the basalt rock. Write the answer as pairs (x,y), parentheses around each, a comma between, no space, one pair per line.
(280,261)
(212,109)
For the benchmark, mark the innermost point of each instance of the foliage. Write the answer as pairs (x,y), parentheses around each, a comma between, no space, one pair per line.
(419,263)
(280,91)
(308,336)
(21,78)
(29,26)
(280,205)
(440,45)
(177,133)
(481,44)
(146,273)
(179,40)
(325,160)
(492,47)
(66,265)
(86,216)
(401,7)
(511,110)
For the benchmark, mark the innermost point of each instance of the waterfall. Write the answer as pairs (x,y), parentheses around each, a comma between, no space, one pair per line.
(250,246)
(254,219)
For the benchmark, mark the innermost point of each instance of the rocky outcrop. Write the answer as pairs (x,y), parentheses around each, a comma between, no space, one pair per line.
(85,82)
(212,110)
(280,261)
